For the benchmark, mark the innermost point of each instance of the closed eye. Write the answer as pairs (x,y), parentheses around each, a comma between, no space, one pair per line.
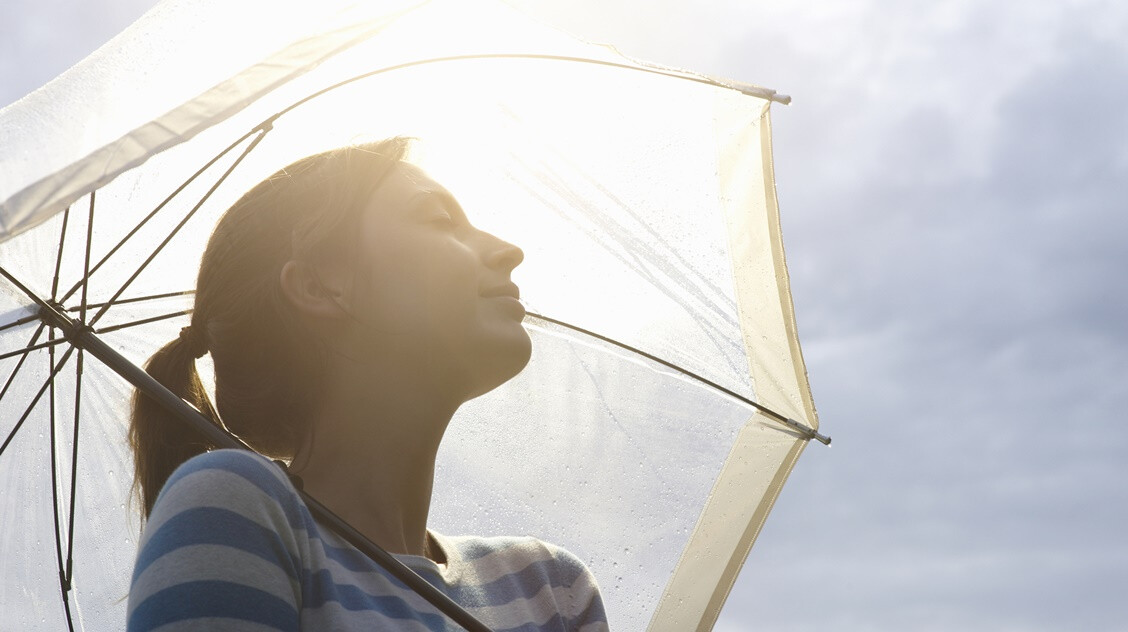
(440,208)
(440,202)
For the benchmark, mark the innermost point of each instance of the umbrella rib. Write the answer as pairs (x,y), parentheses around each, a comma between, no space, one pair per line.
(86,265)
(46,344)
(59,256)
(35,400)
(68,575)
(15,371)
(807,433)
(123,301)
(38,301)
(158,209)
(20,321)
(143,321)
(135,299)
(750,90)
(177,228)
(74,472)
(68,572)
(63,585)
(23,288)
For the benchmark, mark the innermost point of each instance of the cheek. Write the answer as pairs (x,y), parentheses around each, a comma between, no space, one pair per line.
(425,291)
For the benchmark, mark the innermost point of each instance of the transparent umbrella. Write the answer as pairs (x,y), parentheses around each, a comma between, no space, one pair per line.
(666,400)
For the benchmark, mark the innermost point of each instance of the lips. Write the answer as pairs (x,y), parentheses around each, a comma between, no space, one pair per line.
(506,289)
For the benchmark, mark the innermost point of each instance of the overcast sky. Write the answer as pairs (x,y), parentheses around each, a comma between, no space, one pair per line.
(953,178)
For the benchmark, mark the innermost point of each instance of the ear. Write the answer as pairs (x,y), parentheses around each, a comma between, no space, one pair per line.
(312,295)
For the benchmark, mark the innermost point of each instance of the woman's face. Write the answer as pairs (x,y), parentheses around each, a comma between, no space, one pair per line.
(431,286)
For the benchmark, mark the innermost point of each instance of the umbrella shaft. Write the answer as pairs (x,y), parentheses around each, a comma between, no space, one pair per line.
(84,338)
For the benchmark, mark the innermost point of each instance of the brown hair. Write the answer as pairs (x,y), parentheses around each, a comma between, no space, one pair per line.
(267,366)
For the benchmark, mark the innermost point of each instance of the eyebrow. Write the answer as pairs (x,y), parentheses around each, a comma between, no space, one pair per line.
(443,195)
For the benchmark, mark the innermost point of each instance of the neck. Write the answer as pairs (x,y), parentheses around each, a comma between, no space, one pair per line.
(371,456)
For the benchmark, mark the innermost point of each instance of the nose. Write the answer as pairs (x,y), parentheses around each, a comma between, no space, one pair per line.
(502,255)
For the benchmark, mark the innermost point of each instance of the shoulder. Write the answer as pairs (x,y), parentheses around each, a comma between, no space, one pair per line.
(235,479)
(528,554)
(225,539)
(536,572)
(228,498)
(231,465)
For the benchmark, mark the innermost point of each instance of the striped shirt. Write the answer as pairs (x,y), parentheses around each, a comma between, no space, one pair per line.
(230,545)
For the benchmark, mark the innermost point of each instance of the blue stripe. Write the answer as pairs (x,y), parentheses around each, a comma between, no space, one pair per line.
(350,597)
(555,623)
(347,556)
(593,613)
(228,600)
(353,560)
(210,525)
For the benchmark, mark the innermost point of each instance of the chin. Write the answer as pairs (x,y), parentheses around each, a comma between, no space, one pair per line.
(500,363)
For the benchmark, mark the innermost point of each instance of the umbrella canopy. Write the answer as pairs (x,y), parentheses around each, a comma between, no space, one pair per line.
(666,400)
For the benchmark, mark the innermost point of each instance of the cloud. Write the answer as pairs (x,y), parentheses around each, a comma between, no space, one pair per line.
(956,247)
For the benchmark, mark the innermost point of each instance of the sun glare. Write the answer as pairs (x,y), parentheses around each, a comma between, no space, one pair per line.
(537,156)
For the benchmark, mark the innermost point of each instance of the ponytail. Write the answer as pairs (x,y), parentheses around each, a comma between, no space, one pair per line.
(160,441)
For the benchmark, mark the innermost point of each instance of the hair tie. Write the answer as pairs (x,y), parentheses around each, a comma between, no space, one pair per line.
(191,336)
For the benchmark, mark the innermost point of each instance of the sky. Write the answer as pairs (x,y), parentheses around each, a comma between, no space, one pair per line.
(952,180)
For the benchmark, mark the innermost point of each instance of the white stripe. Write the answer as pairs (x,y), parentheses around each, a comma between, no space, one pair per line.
(220,489)
(207,562)
(334,616)
(213,487)
(515,557)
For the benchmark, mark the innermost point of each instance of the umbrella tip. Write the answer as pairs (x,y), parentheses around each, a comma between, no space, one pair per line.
(807,432)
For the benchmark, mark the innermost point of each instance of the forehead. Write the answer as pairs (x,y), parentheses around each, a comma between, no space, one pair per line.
(404,184)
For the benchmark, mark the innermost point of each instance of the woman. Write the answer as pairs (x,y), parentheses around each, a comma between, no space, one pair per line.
(350,308)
